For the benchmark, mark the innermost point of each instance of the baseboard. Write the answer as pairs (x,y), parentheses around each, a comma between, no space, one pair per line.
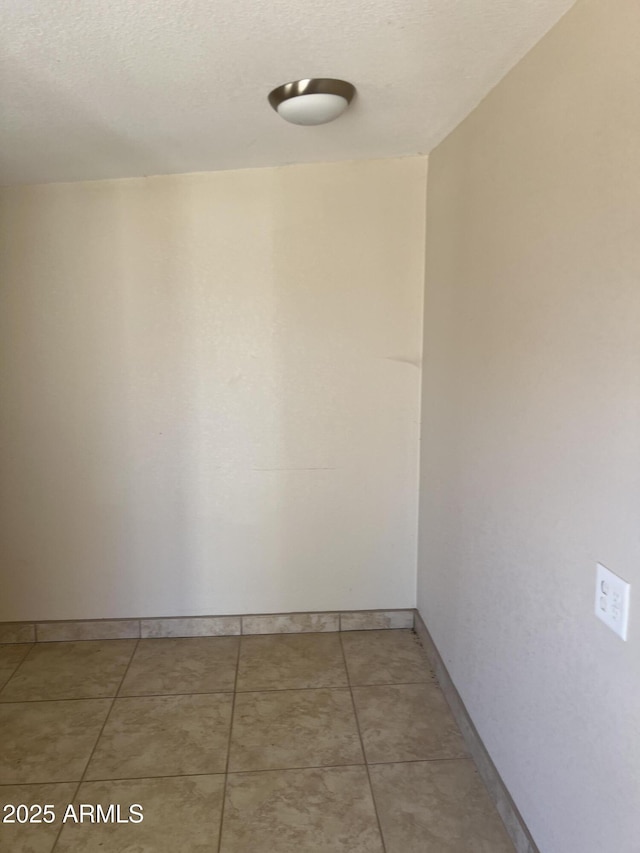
(204,626)
(498,792)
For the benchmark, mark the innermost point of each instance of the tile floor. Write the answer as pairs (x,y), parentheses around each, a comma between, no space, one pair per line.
(289,743)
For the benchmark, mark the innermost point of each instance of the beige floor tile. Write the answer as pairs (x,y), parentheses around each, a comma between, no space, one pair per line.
(290,661)
(48,741)
(406,722)
(192,665)
(11,655)
(181,815)
(294,728)
(385,657)
(436,807)
(164,736)
(82,670)
(300,811)
(34,837)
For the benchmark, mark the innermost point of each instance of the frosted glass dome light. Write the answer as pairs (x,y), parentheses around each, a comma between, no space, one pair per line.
(313,101)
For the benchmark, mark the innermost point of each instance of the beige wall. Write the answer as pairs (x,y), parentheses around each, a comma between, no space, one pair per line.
(210,392)
(531,436)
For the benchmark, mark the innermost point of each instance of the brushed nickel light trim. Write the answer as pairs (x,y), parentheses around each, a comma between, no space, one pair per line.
(312,86)
(323,86)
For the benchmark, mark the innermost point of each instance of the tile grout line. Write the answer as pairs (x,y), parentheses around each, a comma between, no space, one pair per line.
(226,769)
(6,684)
(241,692)
(234,772)
(217,692)
(364,754)
(63,698)
(102,728)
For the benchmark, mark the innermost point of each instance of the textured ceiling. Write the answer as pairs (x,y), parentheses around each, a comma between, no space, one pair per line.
(115,88)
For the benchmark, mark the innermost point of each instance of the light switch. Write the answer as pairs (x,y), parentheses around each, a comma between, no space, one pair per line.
(612,600)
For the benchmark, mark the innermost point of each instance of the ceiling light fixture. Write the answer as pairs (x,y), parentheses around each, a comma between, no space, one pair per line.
(314,101)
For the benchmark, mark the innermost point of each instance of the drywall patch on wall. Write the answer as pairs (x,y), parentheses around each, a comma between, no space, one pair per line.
(197,411)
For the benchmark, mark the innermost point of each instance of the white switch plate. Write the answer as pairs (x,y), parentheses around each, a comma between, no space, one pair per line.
(612,600)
